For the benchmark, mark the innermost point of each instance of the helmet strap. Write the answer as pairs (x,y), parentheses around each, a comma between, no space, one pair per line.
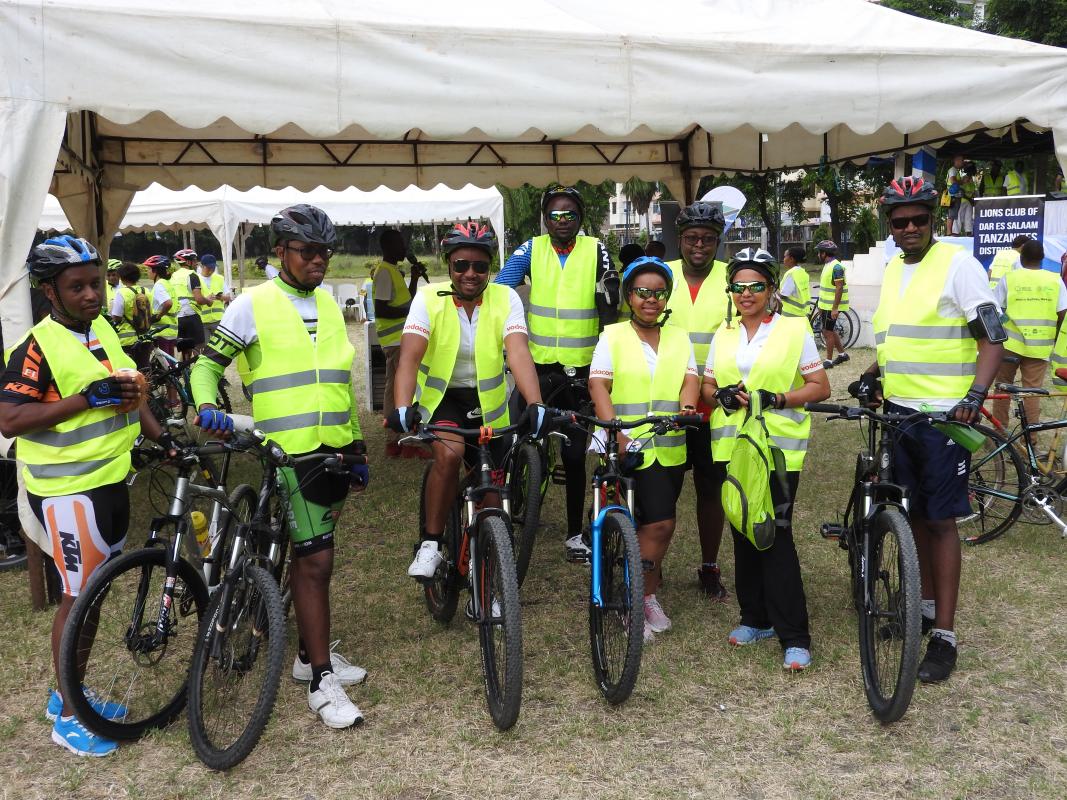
(658,324)
(289,278)
(60,314)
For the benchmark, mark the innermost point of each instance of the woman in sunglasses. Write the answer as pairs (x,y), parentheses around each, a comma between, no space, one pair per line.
(775,356)
(641,367)
(451,370)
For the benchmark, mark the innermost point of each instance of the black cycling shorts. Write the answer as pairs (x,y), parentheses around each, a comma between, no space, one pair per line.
(461,407)
(698,449)
(656,492)
(828,322)
(192,327)
(933,467)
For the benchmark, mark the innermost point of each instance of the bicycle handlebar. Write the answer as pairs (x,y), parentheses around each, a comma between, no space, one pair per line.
(856,412)
(657,421)
(428,432)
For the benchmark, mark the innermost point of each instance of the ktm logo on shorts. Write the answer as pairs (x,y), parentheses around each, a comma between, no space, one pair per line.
(72,551)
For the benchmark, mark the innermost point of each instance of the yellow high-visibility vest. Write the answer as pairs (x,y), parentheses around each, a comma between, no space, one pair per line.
(127,335)
(562,316)
(796,304)
(636,394)
(702,317)
(1033,295)
(1004,261)
(827,290)
(777,370)
(212,286)
(169,321)
(392,329)
(1013,184)
(922,355)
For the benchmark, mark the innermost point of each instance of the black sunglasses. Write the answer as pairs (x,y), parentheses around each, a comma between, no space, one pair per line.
(646,293)
(900,223)
(308,252)
(754,287)
(461,265)
(563,216)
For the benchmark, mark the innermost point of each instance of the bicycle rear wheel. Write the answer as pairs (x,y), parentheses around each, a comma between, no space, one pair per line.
(890,627)
(112,634)
(524,484)
(994,488)
(235,672)
(617,624)
(500,627)
(442,590)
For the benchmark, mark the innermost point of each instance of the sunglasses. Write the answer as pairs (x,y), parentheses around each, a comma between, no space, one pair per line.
(754,287)
(695,238)
(646,294)
(308,252)
(900,223)
(563,216)
(461,265)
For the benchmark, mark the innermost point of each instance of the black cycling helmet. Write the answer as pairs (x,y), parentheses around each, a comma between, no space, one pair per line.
(910,191)
(302,223)
(557,190)
(701,215)
(469,234)
(826,246)
(646,264)
(753,258)
(52,256)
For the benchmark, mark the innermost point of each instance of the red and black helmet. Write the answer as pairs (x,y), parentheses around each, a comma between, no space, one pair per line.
(186,257)
(469,234)
(157,261)
(910,191)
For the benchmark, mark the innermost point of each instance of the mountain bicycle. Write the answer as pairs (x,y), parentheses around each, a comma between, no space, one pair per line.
(883,561)
(847,326)
(616,576)
(478,556)
(169,376)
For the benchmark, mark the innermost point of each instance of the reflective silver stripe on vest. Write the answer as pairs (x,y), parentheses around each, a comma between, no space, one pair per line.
(563,313)
(700,338)
(489,384)
(495,414)
(930,331)
(398,326)
(553,341)
(725,432)
(927,368)
(670,441)
(294,379)
(94,430)
(440,384)
(1036,323)
(790,444)
(795,303)
(424,369)
(67,470)
(879,337)
(788,413)
(1026,340)
(668,406)
(632,409)
(310,419)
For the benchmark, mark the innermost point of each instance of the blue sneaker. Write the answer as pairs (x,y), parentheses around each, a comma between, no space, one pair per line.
(105,708)
(746,634)
(796,659)
(71,734)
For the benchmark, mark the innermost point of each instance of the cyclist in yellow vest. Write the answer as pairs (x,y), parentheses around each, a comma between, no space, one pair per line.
(776,356)
(1005,260)
(296,345)
(1034,300)
(1015,180)
(113,265)
(639,367)
(833,299)
(164,312)
(795,290)
(992,179)
(699,307)
(75,420)
(392,301)
(452,371)
(187,288)
(213,287)
(574,292)
(938,334)
(123,310)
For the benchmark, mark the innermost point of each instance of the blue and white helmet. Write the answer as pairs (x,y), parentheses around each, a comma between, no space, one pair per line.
(52,256)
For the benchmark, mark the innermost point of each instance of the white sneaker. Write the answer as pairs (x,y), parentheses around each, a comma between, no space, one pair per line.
(332,704)
(427,559)
(347,673)
(654,616)
(576,546)
(650,635)
(470,609)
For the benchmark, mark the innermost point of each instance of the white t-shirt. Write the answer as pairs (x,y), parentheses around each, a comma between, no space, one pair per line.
(464,374)
(271,271)
(383,284)
(187,305)
(1001,295)
(788,287)
(603,367)
(966,288)
(239,324)
(160,295)
(748,350)
(117,303)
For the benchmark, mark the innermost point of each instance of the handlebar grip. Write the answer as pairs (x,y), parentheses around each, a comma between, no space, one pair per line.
(685,420)
(825,408)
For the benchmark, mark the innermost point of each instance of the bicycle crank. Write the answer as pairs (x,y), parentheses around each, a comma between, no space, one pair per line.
(1043,505)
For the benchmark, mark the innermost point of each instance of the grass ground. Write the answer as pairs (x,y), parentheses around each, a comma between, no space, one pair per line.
(705,720)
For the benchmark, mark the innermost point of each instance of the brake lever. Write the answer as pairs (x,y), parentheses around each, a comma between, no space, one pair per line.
(560,435)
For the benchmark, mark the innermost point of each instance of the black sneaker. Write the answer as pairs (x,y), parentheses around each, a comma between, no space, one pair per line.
(711,583)
(841,359)
(827,364)
(928,625)
(939,662)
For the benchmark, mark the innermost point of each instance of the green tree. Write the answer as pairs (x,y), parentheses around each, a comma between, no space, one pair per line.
(641,194)
(763,199)
(948,11)
(1043,22)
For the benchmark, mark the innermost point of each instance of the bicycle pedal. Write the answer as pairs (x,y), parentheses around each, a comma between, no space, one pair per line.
(830,530)
(558,476)
(577,557)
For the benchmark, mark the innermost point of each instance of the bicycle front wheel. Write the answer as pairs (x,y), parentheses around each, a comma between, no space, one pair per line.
(617,623)
(442,590)
(116,655)
(235,672)
(890,624)
(994,489)
(500,625)
(524,482)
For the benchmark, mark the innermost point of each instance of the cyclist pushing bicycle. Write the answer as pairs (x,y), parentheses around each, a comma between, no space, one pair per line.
(452,372)
(938,334)
(294,339)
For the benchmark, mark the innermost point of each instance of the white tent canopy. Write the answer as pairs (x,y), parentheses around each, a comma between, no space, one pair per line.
(223,210)
(360,93)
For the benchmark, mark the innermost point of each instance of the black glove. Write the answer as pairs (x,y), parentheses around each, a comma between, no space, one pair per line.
(970,407)
(537,420)
(631,461)
(403,419)
(726,396)
(867,388)
(767,399)
(104,392)
(168,443)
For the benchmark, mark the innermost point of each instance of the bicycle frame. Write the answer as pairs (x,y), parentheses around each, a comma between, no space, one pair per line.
(604,480)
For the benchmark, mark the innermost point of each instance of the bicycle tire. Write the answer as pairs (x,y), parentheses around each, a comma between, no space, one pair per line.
(997,467)
(857,325)
(222,656)
(524,489)
(500,637)
(155,700)
(222,399)
(13,548)
(616,668)
(891,629)
(442,590)
(241,503)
